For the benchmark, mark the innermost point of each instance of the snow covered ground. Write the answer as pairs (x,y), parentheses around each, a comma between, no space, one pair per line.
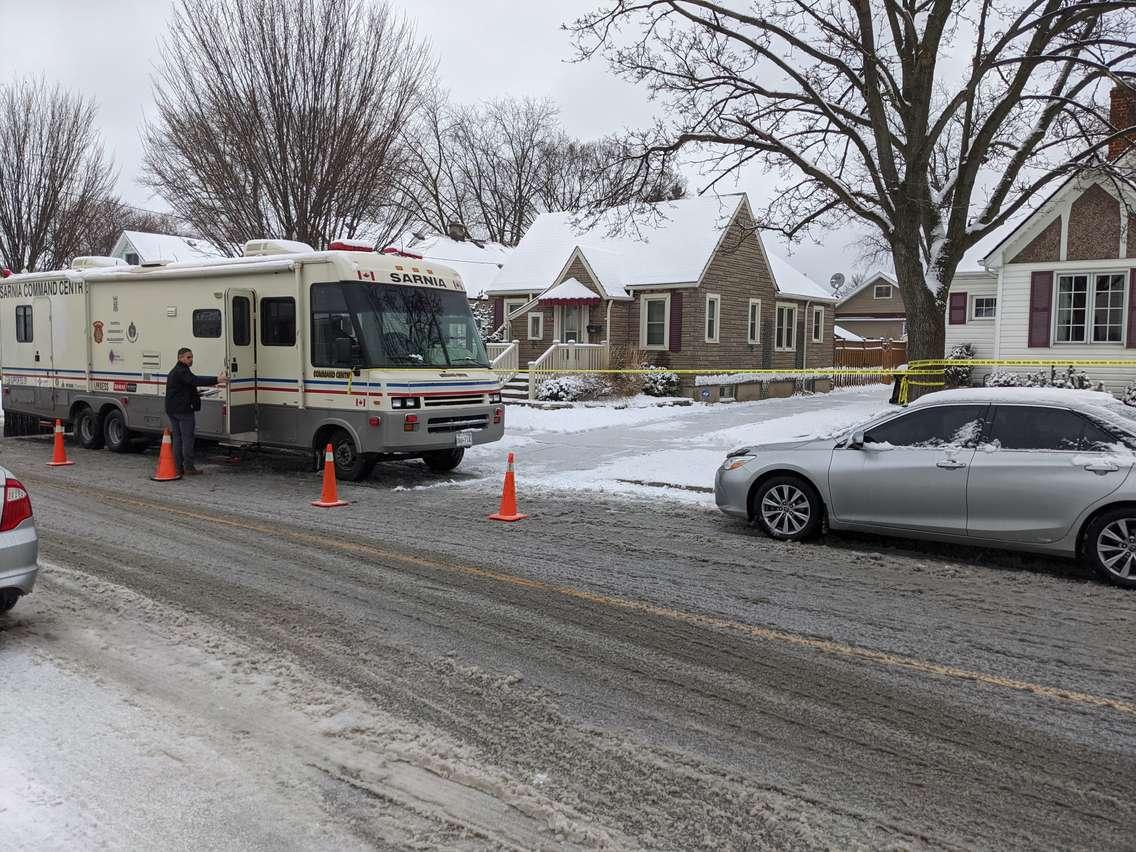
(646,450)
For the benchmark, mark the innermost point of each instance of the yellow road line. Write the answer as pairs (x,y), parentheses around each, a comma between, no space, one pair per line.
(826,646)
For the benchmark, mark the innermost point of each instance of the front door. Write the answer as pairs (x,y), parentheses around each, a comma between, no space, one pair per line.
(44,354)
(572,324)
(911,472)
(240,361)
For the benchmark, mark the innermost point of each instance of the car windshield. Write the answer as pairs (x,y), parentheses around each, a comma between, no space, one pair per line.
(391,325)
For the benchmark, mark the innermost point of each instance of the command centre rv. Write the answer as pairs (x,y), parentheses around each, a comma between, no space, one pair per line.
(377,354)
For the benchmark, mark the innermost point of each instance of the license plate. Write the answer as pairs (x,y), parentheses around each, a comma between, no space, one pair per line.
(465,438)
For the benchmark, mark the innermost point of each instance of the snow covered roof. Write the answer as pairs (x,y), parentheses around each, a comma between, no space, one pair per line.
(670,246)
(150,247)
(791,281)
(569,290)
(845,334)
(868,281)
(476,262)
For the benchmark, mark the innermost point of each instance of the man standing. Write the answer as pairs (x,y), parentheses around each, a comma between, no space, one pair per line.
(183,400)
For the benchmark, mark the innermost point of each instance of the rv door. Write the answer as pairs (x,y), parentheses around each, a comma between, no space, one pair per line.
(44,354)
(240,362)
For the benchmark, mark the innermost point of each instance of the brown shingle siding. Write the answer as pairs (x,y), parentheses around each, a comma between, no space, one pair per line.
(1094,226)
(1045,247)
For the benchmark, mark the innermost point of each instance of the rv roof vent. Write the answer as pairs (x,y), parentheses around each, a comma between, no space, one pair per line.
(95,261)
(264,248)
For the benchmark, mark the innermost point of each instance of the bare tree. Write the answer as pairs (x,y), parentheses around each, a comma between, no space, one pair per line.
(932,122)
(53,174)
(285,118)
(592,176)
(111,216)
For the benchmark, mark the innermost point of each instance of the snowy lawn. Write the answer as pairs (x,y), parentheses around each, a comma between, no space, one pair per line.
(647,450)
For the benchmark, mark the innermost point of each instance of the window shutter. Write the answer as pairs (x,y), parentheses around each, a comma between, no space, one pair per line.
(1131,310)
(676,322)
(499,315)
(1041,298)
(958,308)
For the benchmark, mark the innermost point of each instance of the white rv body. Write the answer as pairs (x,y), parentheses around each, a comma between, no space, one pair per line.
(380,348)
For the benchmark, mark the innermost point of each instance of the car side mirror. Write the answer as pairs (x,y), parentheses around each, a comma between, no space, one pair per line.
(857,442)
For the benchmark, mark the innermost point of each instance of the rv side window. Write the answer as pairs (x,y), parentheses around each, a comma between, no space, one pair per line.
(331,321)
(207,322)
(278,322)
(242,321)
(24,323)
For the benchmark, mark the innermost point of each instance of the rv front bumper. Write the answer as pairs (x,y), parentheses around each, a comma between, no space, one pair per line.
(421,430)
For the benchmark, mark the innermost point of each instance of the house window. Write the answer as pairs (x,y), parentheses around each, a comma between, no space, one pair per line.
(536,326)
(1099,297)
(713,305)
(818,325)
(278,322)
(753,323)
(514,305)
(727,392)
(132,258)
(654,326)
(984,307)
(24,325)
(881,291)
(207,322)
(785,338)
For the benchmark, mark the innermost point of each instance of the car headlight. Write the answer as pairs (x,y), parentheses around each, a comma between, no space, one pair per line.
(734,462)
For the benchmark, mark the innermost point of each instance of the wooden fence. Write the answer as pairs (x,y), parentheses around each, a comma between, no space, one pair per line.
(865,354)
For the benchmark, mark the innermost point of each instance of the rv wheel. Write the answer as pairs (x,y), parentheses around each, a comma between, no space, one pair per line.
(443,461)
(350,464)
(89,430)
(115,433)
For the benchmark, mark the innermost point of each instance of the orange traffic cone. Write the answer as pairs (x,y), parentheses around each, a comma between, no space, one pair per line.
(329,499)
(167,467)
(59,454)
(508,510)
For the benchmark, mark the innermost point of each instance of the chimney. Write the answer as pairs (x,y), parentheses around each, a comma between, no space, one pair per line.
(456,231)
(1122,115)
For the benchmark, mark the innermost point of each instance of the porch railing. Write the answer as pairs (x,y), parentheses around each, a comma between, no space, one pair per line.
(505,359)
(569,356)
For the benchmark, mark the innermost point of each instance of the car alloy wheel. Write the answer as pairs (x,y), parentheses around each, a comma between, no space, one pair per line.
(785,509)
(1116,548)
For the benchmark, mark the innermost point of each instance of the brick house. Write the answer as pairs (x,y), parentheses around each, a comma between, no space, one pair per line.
(874,310)
(690,287)
(1060,283)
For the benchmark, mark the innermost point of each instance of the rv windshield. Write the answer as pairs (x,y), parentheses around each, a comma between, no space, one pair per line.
(389,325)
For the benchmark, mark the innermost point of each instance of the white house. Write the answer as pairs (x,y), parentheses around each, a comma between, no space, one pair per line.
(1061,283)
(137,247)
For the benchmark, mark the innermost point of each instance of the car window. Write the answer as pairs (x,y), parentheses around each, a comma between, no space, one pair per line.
(1020,427)
(935,426)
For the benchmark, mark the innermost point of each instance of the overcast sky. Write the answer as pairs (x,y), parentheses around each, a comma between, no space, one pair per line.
(107,49)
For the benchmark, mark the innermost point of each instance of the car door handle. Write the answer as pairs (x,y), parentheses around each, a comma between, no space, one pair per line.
(950,464)
(1101,467)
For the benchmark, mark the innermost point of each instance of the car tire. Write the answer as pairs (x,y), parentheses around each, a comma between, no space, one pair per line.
(787,508)
(88,429)
(8,598)
(443,461)
(115,432)
(350,464)
(1110,546)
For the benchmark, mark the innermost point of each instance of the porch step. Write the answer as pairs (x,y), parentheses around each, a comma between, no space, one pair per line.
(516,389)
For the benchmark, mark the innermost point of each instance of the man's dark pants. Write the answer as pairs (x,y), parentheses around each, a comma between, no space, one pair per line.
(181,431)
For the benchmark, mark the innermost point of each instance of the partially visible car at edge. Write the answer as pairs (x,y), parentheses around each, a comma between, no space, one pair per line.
(1040,470)
(19,543)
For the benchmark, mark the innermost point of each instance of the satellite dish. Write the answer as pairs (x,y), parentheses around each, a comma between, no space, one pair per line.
(836,281)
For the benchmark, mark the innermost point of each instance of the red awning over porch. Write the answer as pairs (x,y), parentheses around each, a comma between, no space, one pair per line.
(569,292)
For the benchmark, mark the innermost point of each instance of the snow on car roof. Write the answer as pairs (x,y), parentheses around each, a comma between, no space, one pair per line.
(1029,396)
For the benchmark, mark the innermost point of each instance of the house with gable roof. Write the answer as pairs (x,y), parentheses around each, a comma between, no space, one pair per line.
(1059,283)
(135,247)
(691,286)
(874,310)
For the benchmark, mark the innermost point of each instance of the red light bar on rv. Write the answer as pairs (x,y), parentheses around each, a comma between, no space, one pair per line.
(400,253)
(350,245)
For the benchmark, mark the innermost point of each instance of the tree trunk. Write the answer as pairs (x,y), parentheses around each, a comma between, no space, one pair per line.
(925,320)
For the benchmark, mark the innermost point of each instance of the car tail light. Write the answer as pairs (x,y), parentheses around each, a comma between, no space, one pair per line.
(498,413)
(410,423)
(17,505)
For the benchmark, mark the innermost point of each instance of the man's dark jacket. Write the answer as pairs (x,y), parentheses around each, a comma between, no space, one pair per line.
(182,396)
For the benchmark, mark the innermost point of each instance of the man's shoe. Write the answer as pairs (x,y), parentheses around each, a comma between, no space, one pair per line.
(191,471)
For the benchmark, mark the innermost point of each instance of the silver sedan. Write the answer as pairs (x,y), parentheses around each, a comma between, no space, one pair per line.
(19,543)
(1042,470)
